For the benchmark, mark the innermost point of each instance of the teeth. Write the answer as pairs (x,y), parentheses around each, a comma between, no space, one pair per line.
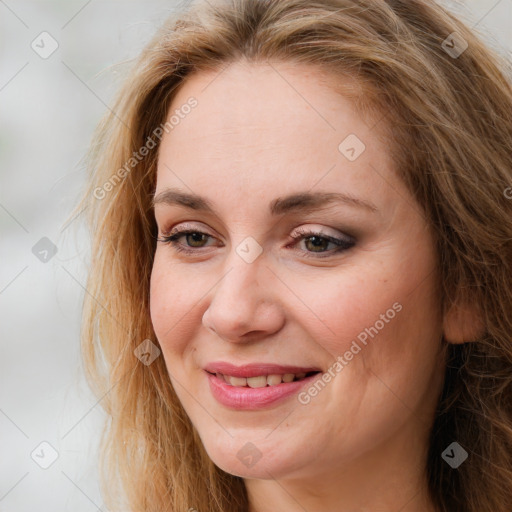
(237,381)
(274,380)
(257,382)
(261,381)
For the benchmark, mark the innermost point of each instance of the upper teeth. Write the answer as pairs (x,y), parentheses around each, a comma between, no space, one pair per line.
(261,381)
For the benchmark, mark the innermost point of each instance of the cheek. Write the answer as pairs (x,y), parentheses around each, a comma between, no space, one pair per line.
(159,298)
(382,315)
(336,307)
(172,304)
(388,329)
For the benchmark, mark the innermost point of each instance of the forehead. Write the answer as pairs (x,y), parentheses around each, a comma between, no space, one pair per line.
(262,129)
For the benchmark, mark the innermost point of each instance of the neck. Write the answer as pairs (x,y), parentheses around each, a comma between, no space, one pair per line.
(388,479)
(338,494)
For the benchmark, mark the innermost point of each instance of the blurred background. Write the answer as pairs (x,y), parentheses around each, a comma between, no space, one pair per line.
(61,63)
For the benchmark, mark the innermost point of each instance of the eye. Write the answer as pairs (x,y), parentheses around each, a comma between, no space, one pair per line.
(317,242)
(192,236)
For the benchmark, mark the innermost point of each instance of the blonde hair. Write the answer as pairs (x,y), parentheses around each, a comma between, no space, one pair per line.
(449,120)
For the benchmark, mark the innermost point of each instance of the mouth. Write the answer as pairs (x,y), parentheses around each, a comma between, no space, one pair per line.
(256,386)
(261,381)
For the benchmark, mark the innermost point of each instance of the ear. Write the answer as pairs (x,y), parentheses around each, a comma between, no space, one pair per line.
(462,324)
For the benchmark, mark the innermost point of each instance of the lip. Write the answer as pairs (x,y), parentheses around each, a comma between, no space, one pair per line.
(246,398)
(256,369)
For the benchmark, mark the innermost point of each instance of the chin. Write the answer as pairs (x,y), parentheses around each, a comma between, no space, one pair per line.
(261,459)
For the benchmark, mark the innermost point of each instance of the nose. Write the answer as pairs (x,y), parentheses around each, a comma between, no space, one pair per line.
(244,306)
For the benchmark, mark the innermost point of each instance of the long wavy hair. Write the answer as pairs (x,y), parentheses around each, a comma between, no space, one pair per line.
(449,122)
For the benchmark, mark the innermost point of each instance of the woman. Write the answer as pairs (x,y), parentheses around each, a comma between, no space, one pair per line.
(301,290)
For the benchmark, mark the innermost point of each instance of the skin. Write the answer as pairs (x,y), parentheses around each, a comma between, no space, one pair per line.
(260,132)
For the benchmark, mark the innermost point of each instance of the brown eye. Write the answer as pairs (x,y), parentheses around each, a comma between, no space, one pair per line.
(196,237)
(316,243)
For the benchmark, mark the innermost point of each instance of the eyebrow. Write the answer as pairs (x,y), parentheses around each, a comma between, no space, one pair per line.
(297,202)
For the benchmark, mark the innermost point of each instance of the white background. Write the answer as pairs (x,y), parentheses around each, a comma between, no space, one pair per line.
(48,110)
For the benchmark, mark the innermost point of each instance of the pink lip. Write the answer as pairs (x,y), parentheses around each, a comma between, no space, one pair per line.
(247,398)
(255,369)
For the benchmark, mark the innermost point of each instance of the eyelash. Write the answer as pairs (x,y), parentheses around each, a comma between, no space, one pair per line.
(342,244)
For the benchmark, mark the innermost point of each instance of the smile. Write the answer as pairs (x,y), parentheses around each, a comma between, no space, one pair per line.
(258,391)
(262,381)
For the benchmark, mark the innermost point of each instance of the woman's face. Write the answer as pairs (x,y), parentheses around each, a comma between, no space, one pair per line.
(340,280)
